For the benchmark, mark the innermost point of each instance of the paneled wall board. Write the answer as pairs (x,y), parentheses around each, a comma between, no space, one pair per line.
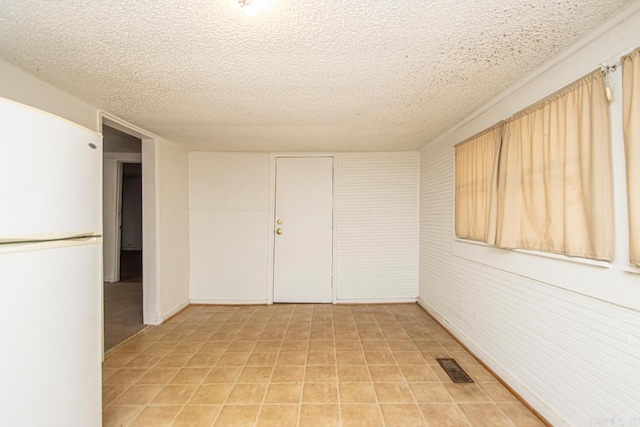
(229,203)
(377,226)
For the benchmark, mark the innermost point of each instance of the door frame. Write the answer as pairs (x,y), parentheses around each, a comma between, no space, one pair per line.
(272,219)
(151,292)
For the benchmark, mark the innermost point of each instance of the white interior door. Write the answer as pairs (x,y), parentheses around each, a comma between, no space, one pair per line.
(304,217)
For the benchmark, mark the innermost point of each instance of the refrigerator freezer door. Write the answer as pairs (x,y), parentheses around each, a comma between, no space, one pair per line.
(50,176)
(50,363)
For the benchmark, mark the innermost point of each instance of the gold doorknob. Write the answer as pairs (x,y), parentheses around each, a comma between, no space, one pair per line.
(279,231)
(279,221)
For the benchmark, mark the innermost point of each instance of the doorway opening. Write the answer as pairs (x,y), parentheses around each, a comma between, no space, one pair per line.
(122,236)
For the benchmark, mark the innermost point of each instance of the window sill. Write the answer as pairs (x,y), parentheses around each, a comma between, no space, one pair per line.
(577,260)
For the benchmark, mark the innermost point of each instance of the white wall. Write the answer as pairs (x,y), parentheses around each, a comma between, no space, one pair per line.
(168,180)
(565,335)
(377,251)
(229,202)
(173,220)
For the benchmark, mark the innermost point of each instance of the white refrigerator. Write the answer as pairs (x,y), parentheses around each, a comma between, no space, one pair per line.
(50,270)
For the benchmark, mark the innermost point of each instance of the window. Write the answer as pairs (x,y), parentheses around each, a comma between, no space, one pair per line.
(476,161)
(551,187)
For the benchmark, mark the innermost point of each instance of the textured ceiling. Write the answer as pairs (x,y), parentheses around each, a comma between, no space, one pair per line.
(302,75)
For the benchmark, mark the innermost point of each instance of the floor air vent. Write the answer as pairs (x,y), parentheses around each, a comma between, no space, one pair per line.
(455,371)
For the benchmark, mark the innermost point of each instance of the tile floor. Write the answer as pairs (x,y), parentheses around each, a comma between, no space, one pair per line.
(299,365)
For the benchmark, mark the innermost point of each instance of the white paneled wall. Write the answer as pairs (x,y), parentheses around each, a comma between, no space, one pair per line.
(229,202)
(571,353)
(377,226)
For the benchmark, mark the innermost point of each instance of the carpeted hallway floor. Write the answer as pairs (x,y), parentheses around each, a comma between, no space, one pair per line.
(123,301)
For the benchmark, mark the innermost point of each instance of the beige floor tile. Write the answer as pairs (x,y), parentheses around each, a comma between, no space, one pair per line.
(111,392)
(520,415)
(255,374)
(393,393)
(288,358)
(157,376)
(322,345)
(124,376)
(198,337)
(350,358)
(203,360)
(278,416)
(233,359)
(422,374)
(138,395)
(485,415)
(444,415)
(402,415)
(190,376)
(262,359)
(283,393)
(173,361)
(117,360)
(285,374)
(498,393)
(210,394)
(108,373)
(480,374)
(160,348)
(402,345)
(319,415)
(187,347)
(409,358)
(156,416)
(321,358)
(430,392)
(118,416)
(293,344)
(357,393)
(246,394)
(144,361)
(241,346)
(320,393)
(315,374)
(375,345)
(353,374)
(268,346)
(386,374)
(223,375)
(238,416)
(174,395)
(349,345)
(361,416)
(196,416)
(380,358)
(467,393)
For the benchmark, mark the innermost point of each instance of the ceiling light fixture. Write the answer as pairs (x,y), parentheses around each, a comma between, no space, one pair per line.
(252,7)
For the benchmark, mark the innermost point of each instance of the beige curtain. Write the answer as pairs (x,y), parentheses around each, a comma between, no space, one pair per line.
(631,118)
(476,178)
(555,179)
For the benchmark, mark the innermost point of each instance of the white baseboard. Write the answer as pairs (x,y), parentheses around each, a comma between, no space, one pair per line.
(239,301)
(174,310)
(376,301)
(503,373)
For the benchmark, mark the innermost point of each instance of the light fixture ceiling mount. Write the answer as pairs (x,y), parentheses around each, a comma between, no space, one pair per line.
(252,7)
